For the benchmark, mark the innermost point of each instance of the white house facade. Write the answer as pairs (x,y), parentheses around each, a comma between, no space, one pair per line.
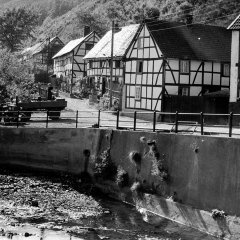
(98,60)
(68,62)
(173,59)
(235,60)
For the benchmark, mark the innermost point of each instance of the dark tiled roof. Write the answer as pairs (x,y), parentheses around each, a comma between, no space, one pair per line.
(235,25)
(194,41)
(37,48)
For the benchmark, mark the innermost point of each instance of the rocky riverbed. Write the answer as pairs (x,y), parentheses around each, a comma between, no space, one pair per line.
(59,207)
(43,202)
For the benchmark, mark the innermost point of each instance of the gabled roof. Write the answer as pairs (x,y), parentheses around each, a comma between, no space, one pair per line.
(71,45)
(122,41)
(235,25)
(193,41)
(37,48)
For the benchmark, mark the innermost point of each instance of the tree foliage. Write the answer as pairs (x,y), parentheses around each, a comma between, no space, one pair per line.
(16,25)
(66,18)
(15,78)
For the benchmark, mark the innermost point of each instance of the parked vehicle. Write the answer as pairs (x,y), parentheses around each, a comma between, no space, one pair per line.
(22,110)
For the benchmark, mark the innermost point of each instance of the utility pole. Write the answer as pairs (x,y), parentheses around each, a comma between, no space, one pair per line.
(111,65)
(47,60)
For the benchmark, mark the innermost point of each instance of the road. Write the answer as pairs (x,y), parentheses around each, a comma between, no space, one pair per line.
(80,114)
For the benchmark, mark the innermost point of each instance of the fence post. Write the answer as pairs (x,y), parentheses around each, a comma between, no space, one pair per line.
(17,119)
(135,121)
(230,124)
(176,122)
(77,119)
(47,119)
(201,122)
(117,126)
(99,112)
(154,121)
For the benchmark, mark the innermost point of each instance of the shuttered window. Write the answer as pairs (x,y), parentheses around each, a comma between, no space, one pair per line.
(184,66)
(139,67)
(225,70)
(137,93)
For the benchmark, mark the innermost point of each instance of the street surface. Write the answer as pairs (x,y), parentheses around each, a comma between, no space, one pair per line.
(80,114)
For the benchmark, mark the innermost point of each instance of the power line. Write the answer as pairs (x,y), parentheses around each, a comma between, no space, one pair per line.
(183,25)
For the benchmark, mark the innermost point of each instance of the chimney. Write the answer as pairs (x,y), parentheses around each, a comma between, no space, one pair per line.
(87,30)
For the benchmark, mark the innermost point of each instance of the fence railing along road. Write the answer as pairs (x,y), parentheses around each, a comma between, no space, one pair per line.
(112,119)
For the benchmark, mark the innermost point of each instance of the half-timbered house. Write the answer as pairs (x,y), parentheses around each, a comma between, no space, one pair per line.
(41,53)
(68,62)
(98,60)
(235,64)
(170,62)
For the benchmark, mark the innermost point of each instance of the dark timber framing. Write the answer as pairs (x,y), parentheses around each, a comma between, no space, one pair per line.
(161,76)
(74,68)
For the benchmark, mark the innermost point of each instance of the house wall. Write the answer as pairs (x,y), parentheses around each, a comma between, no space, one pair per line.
(234,69)
(143,90)
(99,71)
(203,76)
(71,65)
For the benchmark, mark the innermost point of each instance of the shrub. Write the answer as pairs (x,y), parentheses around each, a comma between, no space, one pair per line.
(137,187)
(122,178)
(104,167)
(217,214)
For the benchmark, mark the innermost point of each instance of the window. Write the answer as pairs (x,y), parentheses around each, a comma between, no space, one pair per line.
(117,64)
(138,93)
(139,67)
(89,46)
(183,91)
(225,70)
(140,42)
(90,64)
(116,79)
(101,64)
(184,66)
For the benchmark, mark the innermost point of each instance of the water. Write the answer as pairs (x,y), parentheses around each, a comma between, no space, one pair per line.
(120,221)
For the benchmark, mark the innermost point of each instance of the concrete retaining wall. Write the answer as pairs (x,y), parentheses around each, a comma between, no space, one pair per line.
(204,171)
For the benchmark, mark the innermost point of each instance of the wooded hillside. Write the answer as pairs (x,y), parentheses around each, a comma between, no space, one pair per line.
(66,18)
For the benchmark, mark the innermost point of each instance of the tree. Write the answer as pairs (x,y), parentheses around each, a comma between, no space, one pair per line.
(15,78)
(97,22)
(16,25)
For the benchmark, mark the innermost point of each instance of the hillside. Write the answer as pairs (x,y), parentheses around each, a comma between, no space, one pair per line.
(66,18)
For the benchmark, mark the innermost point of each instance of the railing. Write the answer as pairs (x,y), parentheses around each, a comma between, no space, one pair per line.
(112,119)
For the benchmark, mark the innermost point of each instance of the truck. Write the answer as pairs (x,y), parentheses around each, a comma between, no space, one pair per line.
(22,110)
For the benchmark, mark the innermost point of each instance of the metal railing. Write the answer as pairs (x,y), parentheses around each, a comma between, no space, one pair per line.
(112,119)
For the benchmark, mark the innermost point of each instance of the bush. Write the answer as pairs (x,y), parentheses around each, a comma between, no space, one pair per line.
(122,178)
(217,214)
(104,167)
